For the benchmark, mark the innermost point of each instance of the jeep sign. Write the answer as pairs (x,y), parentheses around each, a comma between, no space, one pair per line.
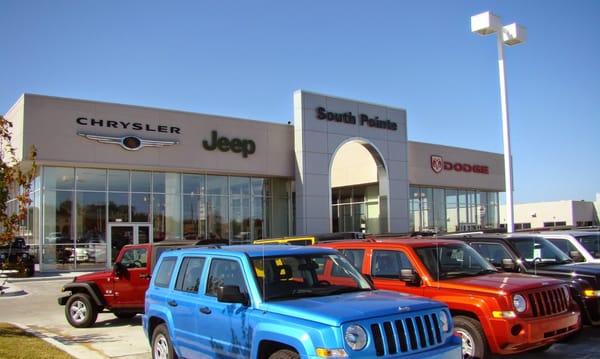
(235,145)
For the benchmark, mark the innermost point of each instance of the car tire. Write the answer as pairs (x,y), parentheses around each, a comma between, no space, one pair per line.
(474,343)
(81,312)
(284,354)
(124,315)
(162,347)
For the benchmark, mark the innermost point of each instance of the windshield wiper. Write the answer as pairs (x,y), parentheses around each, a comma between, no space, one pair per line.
(348,290)
(486,271)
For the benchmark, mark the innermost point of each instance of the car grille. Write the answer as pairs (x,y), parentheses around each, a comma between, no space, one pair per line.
(408,334)
(548,302)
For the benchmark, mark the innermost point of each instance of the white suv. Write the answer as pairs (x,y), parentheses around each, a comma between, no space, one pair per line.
(581,246)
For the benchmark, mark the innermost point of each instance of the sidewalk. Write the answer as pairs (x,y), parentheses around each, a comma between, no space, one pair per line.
(44,276)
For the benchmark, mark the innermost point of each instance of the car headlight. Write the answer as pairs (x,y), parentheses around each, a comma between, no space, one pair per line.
(444,321)
(519,303)
(590,293)
(355,337)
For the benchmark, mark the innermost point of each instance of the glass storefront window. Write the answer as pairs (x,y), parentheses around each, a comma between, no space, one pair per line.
(216,185)
(439,209)
(194,217)
(59,178)
(140,207)
(90,251)
(166,217)
(193,184)
(217,217)
(58,220)
(261,187)
(140,181)
(192,206)
(90,179)
(451,210)
(118,207)
(239,186)
(166,182)
(258,217)
(118,181)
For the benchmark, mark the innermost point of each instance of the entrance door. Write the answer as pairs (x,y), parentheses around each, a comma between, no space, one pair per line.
(121,234)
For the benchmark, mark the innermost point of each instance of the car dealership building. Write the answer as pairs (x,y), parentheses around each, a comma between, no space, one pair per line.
(111,174)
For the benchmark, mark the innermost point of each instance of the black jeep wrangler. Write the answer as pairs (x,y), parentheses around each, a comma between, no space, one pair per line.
(15,255)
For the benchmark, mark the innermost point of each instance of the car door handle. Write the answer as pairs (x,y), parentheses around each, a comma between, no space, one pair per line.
(205,310)
(172,303)
(145,276)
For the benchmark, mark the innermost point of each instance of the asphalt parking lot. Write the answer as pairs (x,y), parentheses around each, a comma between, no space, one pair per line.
(115,338)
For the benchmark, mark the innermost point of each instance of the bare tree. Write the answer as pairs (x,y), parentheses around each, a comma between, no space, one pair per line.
(15,182)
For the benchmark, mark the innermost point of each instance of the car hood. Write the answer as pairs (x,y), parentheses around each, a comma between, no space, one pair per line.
(590,271)
(334,310)
(496,282)
(91,277)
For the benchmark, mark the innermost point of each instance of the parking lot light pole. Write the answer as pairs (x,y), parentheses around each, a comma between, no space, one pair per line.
(486,24)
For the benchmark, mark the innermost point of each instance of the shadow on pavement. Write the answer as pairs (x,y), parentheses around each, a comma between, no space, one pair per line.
(586,345)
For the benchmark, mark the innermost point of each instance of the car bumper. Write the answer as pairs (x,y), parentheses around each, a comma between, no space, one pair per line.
(533,333)
(63,300)
(452,349)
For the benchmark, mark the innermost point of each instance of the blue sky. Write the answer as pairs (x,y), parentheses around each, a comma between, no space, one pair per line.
(245,58)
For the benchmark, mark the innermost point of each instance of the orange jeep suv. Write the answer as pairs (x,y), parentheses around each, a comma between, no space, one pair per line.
(494,312)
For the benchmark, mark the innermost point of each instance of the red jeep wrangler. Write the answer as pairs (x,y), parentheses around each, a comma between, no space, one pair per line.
(120,291)
(497,312)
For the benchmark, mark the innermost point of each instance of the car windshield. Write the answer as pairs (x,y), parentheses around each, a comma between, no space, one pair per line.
(539,252)
(446,261)
(290,277)
(591,242)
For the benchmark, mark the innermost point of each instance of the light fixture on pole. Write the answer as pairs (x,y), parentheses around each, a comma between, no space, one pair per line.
(486,24)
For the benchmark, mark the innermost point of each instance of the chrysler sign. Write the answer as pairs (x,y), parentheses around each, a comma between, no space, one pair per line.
(438,165)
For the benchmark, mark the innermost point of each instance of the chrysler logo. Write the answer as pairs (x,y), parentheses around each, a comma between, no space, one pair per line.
(404,309)
(130,143)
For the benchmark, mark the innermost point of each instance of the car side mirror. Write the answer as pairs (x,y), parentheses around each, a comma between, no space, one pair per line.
(410,277)
(119,269)
(231,294)
(576,256)
(508,264)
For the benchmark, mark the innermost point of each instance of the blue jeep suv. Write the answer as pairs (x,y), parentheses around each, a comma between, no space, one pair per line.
(285,302)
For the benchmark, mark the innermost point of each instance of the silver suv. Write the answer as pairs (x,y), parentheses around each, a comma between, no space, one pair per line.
(581,246)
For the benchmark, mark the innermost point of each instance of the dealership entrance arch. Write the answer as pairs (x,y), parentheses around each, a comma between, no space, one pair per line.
(359,188)
(323,125)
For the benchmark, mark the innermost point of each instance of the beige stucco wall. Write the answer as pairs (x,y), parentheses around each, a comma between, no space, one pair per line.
(421,173)
(50,124)
(352,165)
(15,116)
(555,211)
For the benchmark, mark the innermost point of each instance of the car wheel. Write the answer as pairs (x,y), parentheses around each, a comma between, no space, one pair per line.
(124,315)
(474,344)
(162,348)
(81,311)
(284,354)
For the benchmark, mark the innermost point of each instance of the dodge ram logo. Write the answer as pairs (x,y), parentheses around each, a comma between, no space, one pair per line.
(437,163)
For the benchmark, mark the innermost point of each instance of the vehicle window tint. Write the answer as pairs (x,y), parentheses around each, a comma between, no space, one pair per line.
(565,246)
(188,278)
(224,272)
(134,258)
(493,252)
(387,264)
(591,243)
(355,256)
(163,276)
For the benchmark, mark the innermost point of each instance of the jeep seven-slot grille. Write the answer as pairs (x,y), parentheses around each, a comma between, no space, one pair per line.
(407,334)
(548,302)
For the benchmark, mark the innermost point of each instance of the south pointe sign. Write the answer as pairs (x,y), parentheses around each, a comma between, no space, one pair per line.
(360,119)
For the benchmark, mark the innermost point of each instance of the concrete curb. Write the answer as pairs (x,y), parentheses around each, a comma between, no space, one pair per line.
(78,351)
(57,276)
